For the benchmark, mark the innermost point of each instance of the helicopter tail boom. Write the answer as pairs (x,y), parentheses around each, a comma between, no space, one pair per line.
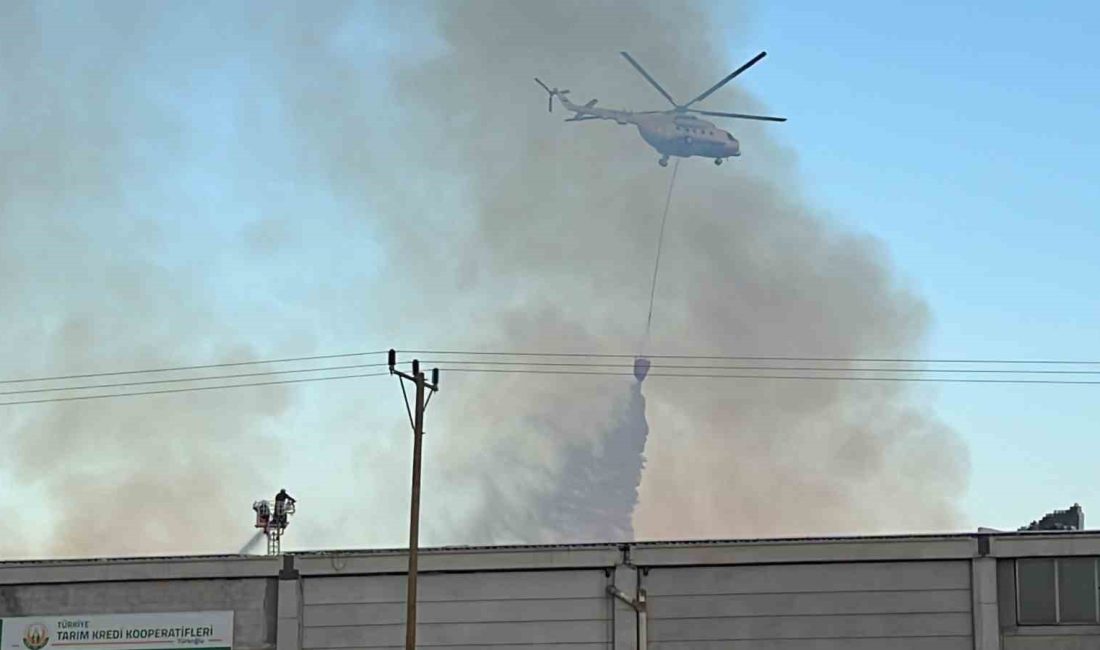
(582,112)
(552,93)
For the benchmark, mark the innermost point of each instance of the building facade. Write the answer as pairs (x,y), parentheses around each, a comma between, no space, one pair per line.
(1013,591)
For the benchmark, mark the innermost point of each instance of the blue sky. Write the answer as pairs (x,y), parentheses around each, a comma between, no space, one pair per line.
(965,137)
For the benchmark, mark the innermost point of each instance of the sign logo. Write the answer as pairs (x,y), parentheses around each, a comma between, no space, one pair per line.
(36,636)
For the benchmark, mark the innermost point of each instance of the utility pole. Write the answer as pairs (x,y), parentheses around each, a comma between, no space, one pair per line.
(416,419)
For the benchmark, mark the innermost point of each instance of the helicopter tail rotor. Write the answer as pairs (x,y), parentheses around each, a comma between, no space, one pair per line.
(552,93)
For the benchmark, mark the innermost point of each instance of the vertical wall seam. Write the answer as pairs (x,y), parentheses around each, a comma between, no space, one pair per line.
(1057,596)
(975,605)
(301,627)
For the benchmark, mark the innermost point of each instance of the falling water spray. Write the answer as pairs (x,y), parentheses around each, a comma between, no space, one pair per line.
(252,544)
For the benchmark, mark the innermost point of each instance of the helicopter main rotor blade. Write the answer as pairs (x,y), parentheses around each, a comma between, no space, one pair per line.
(651,80)
(727,79)
(741,116)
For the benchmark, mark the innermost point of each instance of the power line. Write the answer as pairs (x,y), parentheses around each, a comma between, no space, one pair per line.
(791,377)
(535,363)
(181,368)
(196,388)
(574,355)
(680,375)
(178,380)
(768,367)
(550,364)
(596,355)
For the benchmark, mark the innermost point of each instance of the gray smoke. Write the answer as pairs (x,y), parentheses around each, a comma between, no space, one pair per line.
(87,283)
(492,226)
(540,235)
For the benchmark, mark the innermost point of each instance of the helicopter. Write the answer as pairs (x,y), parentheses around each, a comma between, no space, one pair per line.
(673,132)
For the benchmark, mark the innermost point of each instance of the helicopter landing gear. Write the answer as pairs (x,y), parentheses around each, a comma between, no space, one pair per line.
(663,162)
(718,161)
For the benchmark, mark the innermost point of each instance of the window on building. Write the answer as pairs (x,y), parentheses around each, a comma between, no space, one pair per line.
(1057,591)
(1077,590)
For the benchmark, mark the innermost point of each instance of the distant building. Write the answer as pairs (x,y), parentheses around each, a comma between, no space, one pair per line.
(997,591)
(1070,519)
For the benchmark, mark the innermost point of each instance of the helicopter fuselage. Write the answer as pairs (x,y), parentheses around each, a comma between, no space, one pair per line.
(686,136)
(670,133)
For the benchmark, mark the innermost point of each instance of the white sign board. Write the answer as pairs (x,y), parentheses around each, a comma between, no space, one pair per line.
(168,631)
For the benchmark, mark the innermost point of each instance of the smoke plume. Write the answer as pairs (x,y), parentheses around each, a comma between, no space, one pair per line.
(391,170)
(88,282)
(556,255)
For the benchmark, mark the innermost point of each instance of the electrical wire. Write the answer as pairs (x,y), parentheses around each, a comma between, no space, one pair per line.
(553,364)
(577,363)
(192,389)
(560,355)
(578,372)
(178,380)
(181,368)
(595,355)
(799,377)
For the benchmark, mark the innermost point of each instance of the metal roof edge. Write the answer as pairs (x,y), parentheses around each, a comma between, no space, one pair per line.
(852,548)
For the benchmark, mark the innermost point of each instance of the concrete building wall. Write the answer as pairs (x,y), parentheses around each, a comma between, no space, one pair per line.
(1016,636)
(505,610)
(251,600)
(838,606)
(926,593)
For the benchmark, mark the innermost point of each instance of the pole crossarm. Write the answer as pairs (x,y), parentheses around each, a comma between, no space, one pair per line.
(416,376)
